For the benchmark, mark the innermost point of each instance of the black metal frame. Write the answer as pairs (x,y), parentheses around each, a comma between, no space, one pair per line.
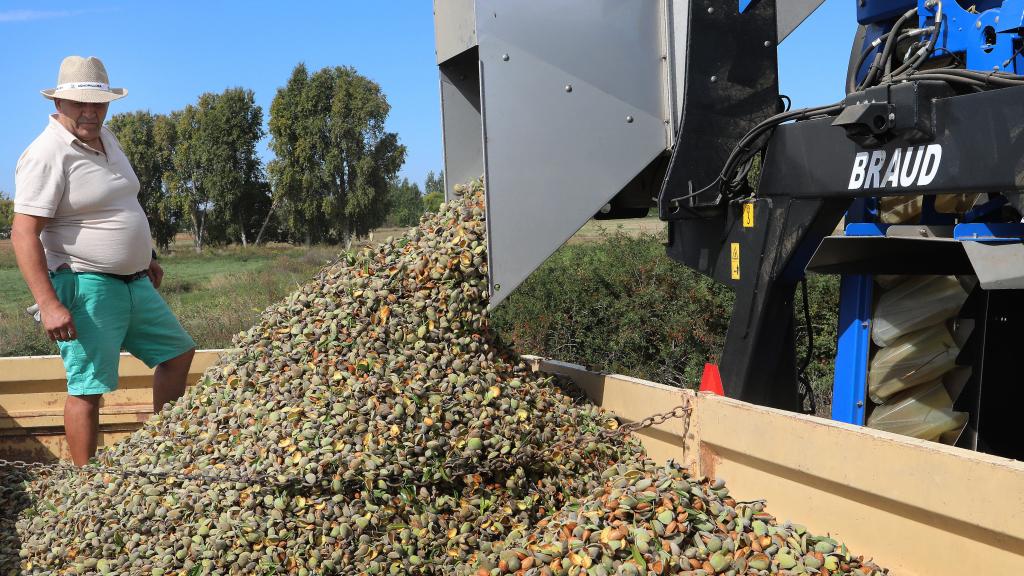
(732,83)
(804,192)
(993,394)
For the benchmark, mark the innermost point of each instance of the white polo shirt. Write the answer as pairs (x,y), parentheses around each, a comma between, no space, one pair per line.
(96,223)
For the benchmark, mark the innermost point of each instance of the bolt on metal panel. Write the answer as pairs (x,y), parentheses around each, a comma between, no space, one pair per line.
(553,157)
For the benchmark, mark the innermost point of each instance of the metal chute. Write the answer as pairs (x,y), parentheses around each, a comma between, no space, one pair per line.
(559,106)
(568,108)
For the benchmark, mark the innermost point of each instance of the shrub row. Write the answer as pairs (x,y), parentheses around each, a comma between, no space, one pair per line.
(621,305)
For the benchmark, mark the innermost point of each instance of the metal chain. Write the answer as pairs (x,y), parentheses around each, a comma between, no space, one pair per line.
(624,430)
(505,463)
(453,468)
(262,480)
(453,465)
(682,412)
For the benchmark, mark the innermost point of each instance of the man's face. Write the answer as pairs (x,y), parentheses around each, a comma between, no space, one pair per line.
(83,119)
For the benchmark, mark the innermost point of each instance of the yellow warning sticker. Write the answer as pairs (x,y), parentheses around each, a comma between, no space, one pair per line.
(735,249)
(748,215)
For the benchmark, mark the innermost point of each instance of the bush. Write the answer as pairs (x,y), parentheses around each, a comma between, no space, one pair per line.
(6,215)
(406,204)
(432,201)
(621,305)
(823,295)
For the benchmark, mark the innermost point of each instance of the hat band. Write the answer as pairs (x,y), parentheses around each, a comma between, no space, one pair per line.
(84,86)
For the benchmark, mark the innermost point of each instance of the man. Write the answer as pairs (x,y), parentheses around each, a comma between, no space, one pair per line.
(83,245)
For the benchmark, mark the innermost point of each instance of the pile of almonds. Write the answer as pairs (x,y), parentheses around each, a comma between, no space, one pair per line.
(372,424)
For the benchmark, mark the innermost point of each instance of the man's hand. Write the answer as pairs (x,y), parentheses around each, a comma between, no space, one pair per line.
(57,322)
(28,251)
(156,273)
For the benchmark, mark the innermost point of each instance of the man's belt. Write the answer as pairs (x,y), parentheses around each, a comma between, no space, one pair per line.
(126,278)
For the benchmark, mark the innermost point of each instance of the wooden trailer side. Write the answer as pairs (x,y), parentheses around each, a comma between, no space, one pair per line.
(920,508)
(32,393)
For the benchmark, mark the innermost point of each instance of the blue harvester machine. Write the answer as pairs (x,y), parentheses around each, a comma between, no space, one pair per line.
(573,109)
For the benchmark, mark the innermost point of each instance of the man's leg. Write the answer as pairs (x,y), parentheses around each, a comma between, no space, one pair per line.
(81,425)
(169,379)
(98,305)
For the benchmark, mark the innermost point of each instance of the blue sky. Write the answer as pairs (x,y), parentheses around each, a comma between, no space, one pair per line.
(168,53)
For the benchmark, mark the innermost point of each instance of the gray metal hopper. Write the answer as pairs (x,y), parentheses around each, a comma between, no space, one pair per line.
(568,108)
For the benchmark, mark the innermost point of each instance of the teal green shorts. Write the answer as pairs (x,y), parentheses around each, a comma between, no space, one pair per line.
(110,314)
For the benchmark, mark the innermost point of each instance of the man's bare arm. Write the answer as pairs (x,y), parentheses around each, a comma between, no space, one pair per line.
(28,250)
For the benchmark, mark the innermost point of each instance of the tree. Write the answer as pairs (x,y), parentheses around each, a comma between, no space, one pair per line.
(6,214)
(217,177)
(406,203)
(186,181)
(165,139)
(434,191)
(434,183)
(294,156)
(136,131)
(334,159)
(239,193)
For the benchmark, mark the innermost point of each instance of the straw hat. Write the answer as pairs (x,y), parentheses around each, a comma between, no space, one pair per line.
(83,80)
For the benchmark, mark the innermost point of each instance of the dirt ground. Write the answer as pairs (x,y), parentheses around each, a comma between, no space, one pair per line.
(595,230)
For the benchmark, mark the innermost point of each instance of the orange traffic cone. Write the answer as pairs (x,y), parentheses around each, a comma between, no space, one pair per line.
(711,380)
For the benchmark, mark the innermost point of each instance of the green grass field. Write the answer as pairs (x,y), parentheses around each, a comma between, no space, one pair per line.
(222,291)
(215,294)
